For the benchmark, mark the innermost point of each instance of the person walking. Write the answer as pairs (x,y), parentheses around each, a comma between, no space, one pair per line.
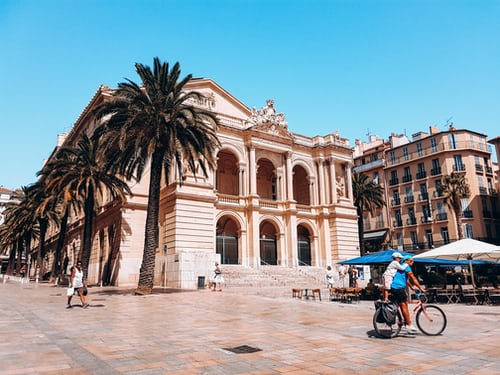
(77,283)
(329,277)
(218,279)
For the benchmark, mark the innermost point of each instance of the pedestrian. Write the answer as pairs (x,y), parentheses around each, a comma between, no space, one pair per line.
(78,284)
(353,277)
(218,279)
(342,274)
(329,277)
(23,272)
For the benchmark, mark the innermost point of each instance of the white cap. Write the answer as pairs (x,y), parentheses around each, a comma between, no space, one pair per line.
(397,254)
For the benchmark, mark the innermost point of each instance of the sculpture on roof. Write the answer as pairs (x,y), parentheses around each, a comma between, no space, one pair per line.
(267,115)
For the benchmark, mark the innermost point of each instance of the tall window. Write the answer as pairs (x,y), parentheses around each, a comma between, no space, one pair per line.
(452,141)
(458,164)
(445,237)
(414,239)
(430,240)
(392,156)
(405,153)
(434,145)
(419,149)
(468,231)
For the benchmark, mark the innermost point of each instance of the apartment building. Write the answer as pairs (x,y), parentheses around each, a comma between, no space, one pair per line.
(416,216)
(275,197)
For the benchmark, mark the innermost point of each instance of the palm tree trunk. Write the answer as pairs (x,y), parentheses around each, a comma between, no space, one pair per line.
(56,267)
(41,243)
(88,231)
(146,275)
(458,219)
(361,231)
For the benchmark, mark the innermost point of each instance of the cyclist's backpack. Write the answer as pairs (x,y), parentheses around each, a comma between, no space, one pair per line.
(389,313)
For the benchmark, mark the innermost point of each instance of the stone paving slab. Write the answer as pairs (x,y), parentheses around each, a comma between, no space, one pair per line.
(190,333)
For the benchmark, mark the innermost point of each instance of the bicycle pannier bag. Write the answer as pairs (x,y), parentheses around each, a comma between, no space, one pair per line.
(389,312)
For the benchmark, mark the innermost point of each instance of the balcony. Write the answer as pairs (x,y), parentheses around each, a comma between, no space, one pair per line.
(409,199)
(423,196)
(492,191)
(483,190)
(459,168)
(411,221)
(467,214)
(426,219)
(421,174)
(398,223)
(407,178)
(488,170)
(396,202)
(393,181)
(479,168)
(438,193)
(441,216)
(435,171)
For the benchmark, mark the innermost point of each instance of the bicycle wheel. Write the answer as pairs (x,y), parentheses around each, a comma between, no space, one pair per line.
(431,320)
(383,329)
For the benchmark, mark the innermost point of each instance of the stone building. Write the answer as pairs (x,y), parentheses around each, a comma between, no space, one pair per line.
(276,197)
(411,171)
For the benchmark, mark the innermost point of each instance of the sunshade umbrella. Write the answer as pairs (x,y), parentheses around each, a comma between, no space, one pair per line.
(386,257)
(468,249)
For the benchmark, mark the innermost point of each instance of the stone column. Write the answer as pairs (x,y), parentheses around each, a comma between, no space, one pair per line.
(348,182)
(289,176)
(321,183)
(252,172)
(333,183)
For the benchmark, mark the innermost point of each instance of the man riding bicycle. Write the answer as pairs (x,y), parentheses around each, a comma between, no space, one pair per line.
(398,291)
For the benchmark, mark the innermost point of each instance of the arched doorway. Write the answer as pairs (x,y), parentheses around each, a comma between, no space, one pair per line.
(301,186)
(227,181)
(304,246)
(268,244)
(266,180)
(227,240)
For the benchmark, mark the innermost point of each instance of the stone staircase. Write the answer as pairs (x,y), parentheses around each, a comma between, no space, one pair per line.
(277,278)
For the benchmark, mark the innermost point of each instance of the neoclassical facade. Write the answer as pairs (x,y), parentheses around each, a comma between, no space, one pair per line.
(275,197)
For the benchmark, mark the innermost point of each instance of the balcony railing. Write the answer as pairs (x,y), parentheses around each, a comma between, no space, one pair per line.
(407,178)
(421,174)
(396,202)
(409,199)
(488,170)
(435,171)
(458,168)
(393,181)
(479,168)
(492,191)
(411,221)
(423,196)
(437,193)
(441,216)
(467,214)
(483,190)
(398,223)
(426,219)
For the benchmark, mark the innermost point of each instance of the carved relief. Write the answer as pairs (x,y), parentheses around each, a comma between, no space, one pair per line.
(268,120)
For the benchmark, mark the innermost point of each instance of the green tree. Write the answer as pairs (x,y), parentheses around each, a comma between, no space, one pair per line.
(157,123)
(83,173)
(20,227)
(367,196)
(455,188)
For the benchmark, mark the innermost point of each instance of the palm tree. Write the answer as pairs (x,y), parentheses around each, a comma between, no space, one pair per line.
(81,172)
(367,197)
(42,205)
(157,123)
(20,226)
(455,188)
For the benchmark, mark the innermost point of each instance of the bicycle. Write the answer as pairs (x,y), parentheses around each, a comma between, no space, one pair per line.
(430,319)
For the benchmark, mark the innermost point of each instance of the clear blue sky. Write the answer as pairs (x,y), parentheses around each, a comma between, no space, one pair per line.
(356,66)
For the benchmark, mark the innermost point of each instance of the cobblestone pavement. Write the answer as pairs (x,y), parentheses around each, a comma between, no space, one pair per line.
(190,333)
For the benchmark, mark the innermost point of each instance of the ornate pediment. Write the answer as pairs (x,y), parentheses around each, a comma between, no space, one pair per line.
(268,120)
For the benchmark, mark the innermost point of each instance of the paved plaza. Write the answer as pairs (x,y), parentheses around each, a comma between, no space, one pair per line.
(192,332)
